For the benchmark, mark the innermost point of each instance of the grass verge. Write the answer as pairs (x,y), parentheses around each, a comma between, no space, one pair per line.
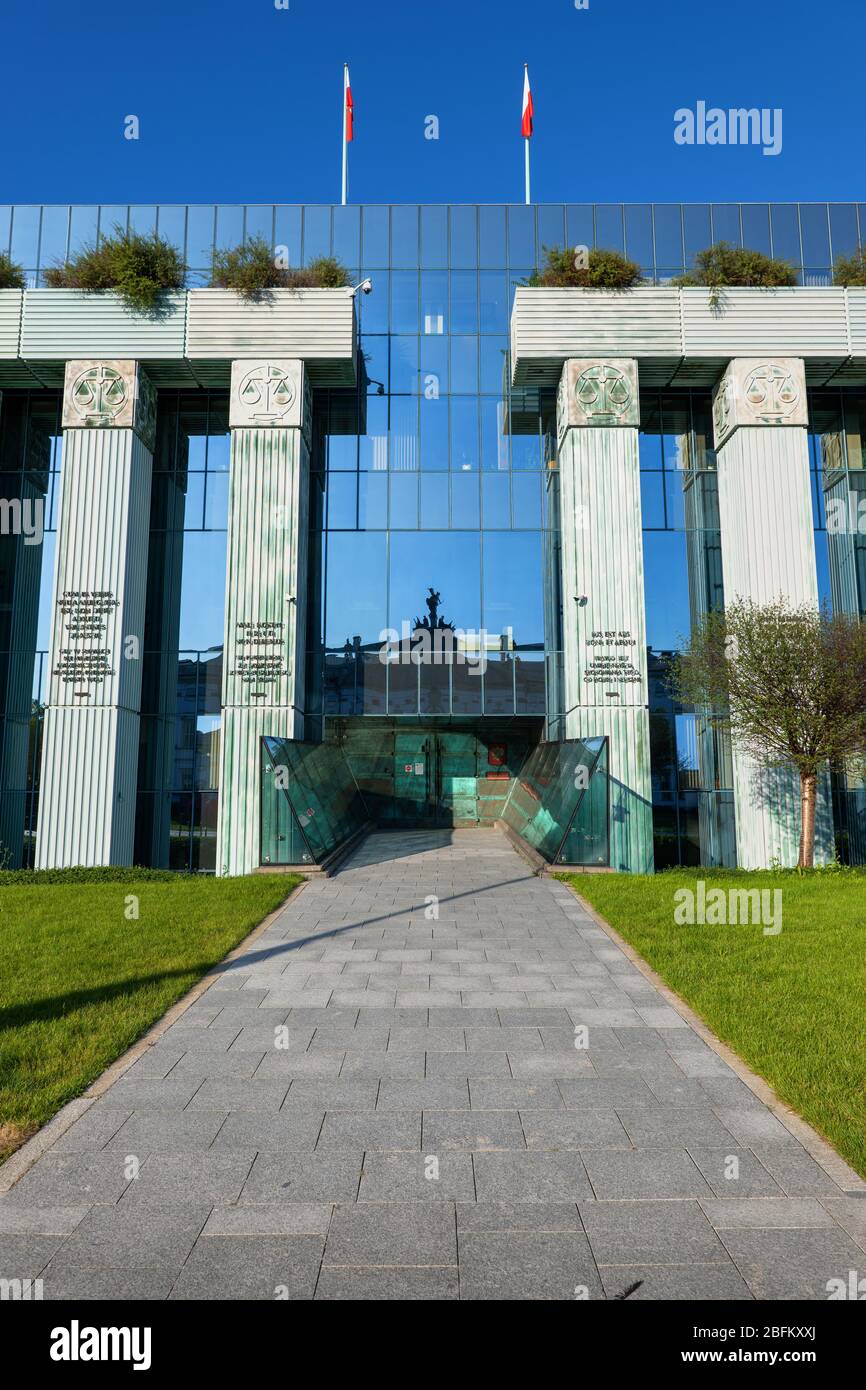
(791,1005)
(81,977)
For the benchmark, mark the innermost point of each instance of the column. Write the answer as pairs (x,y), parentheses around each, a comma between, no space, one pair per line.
(91,730)
(266,607)
(604,621)
(768,551)
(22,529)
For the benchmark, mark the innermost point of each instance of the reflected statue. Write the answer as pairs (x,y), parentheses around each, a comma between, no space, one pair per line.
(433,622)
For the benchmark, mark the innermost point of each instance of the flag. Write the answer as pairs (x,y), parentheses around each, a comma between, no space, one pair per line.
(350,110)
(528,112)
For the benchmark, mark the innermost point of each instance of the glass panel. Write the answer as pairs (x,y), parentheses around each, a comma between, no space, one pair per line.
(668,235)
(816,234)
(171,225)
(521,236)
(726,222)
(404,501)
(317,233)
(609,226)
(696,229)
(434,238)
(843,229)
(55,232)
(639,234)
(404,301)
(25,236)
(492,234)
(496,501)
(580,224)
(464,364)
(546,796)
(404,236)
(259,222)
(464,302)
(229,226)
(310,801)
(199,237)
(347,235)
(287,232)
(512,584)
(434,501)
(375,245)
(464,238)
(551,226)
(112,218)
(756,227)
(786,231)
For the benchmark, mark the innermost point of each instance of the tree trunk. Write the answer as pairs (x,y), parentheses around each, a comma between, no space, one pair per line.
(808,800)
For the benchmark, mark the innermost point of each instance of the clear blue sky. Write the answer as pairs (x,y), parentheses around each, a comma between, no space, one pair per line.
(242,102)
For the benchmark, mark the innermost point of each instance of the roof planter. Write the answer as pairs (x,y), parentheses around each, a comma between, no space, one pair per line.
(684,336)
(192,338)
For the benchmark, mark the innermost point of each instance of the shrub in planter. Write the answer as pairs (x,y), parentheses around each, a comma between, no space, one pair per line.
(252,270)
(851,270)
(11,275)
(605,270)
(140,268)
(723,266)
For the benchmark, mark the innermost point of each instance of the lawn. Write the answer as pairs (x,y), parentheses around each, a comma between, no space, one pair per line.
(81,978)
(793,1005)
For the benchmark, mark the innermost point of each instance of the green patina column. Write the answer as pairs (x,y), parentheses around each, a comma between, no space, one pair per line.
(21,540)
(760,419)
(604,622)
(88,783)
(263,665)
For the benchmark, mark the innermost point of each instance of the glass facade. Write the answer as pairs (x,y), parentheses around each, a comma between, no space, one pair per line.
(432,482)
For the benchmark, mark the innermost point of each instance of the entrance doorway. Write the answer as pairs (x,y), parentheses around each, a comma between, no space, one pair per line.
(428,777)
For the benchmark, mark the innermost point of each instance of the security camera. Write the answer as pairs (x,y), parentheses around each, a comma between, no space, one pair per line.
(365,285)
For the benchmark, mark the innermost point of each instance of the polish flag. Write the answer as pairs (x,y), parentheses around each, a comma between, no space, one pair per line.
(350,110)
(528,112)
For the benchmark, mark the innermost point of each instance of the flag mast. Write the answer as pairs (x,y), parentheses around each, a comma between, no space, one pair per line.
(345,132)
(527,121)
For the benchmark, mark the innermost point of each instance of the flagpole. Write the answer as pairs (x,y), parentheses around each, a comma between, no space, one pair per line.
(345,142)
(527,118)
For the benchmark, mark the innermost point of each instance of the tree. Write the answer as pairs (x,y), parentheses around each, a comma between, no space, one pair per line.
(792,683)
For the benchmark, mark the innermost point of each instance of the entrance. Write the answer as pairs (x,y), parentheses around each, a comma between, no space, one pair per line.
(427,777)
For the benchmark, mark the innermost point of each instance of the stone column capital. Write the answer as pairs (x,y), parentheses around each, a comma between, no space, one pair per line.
(270,393)
(759,391)
(110,394)
(598,392)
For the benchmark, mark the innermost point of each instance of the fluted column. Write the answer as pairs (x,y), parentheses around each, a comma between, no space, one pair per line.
(265,633)
(604,621)
(21,542)
(768,552)
(91,730)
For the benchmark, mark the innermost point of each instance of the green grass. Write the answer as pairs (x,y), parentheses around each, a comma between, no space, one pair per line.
(792,1006)
(80,982)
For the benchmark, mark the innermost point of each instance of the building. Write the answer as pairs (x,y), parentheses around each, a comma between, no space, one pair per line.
(241,504)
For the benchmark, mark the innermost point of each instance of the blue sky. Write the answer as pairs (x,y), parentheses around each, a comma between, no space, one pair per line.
(242,101)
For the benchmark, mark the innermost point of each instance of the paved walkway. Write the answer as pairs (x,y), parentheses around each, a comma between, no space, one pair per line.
(430,1130)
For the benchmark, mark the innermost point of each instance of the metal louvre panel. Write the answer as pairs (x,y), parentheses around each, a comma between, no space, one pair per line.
(63,324)
(797,322)
(549,325)
(10,322)
(857,321)
(316,325)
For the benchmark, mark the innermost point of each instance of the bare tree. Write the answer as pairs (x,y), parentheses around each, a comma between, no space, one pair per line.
(792,685)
